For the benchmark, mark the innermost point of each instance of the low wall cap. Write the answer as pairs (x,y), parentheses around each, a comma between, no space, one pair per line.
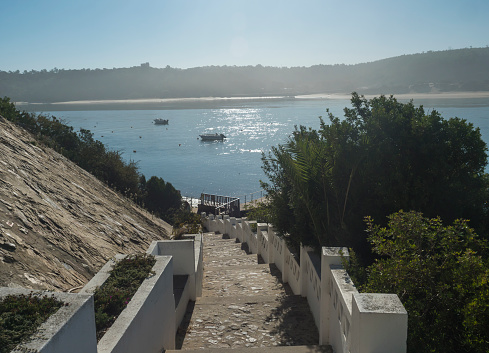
(379,303)
(335,251)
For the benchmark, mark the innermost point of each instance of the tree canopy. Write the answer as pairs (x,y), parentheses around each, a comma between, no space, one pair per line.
(383,156)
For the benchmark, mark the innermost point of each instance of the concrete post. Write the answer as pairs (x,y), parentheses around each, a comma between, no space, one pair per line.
(379,324)
(330,256)
(304,270)
(230,223)
(271,247)
(260,227)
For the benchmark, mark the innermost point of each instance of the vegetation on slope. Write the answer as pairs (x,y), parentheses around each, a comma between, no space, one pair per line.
(156,195)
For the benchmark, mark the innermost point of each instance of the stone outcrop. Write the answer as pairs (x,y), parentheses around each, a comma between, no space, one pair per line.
(58,223)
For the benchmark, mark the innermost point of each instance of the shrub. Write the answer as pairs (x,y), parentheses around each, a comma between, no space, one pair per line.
(21,315)
(113,296)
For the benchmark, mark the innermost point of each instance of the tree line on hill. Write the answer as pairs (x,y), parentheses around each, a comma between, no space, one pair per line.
(398,186)
(156,195)
(451,70)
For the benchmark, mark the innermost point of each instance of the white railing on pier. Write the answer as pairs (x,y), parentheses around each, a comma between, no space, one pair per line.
(349,321)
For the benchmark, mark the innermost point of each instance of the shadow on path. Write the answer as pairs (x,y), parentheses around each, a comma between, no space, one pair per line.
(294,321)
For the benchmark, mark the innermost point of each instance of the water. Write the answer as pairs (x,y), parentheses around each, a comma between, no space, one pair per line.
(233,167)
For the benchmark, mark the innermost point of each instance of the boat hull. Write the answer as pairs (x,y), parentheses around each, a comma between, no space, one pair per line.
(161,121)
(212,137)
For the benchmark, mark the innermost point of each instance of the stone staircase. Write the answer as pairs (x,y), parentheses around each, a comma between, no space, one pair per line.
(244,304)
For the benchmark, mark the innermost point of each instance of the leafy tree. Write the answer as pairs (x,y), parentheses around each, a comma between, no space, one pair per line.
(382,157)
(161,197)
(441,277)
(259,212)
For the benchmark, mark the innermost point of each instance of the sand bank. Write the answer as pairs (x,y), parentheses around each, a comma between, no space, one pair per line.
(435,95)
(215,102)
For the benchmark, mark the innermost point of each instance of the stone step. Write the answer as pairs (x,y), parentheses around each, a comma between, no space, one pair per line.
(249,321)
(275,349)
(220,242)
(224,251)
(245,280)
(236,260)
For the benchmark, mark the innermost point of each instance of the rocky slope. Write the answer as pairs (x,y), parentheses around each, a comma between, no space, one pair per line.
(58,223)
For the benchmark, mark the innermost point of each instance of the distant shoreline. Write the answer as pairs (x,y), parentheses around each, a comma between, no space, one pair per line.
(434,95)
(204,102)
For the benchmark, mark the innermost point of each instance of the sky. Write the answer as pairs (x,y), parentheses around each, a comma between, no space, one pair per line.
(73,34)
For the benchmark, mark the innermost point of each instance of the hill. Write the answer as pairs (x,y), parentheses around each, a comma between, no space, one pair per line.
(58,223)
(442,71)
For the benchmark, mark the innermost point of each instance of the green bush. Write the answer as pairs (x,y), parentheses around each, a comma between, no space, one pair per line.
(21,315)
(440,273)
(113,296)
(383,156)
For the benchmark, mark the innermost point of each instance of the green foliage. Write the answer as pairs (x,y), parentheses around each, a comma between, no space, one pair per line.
(161,197)
(440,275)
(186,222)
(259,212)
(113,296)
(382,157)
(21,315)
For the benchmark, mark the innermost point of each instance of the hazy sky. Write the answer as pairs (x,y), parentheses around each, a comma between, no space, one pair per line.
(72,34)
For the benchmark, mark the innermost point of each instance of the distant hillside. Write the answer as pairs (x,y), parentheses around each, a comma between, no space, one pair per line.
(58,223)
(443,71)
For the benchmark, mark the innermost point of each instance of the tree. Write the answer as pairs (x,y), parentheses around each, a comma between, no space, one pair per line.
(382,157)
(441,277)
(161,197)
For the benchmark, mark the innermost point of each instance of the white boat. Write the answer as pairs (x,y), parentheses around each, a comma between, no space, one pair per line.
(159,121)
(212,137)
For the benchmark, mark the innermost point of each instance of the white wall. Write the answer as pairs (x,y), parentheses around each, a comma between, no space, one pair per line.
(70,329)
(183,253)
(147,324)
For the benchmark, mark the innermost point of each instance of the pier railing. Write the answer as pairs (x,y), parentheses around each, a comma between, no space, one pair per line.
(218,205)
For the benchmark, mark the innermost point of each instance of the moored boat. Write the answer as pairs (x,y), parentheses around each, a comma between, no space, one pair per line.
(159,121)
(212,137)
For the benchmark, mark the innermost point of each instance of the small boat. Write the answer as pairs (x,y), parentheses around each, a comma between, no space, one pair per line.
(159,121)
(212,137)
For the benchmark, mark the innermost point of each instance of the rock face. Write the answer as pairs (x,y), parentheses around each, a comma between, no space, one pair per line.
(58,223)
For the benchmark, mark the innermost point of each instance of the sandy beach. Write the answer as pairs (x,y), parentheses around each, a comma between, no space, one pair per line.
(206,102)
(435,95)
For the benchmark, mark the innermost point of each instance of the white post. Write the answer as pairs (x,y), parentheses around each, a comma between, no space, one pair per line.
(304,269)
(379,324)
(271,242)
(330,256)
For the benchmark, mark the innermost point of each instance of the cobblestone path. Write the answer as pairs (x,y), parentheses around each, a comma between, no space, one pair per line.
(244,304)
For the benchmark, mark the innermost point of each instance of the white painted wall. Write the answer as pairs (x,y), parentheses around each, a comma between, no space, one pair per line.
(147,324)
(183,253)
(70,329)
(181,307)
